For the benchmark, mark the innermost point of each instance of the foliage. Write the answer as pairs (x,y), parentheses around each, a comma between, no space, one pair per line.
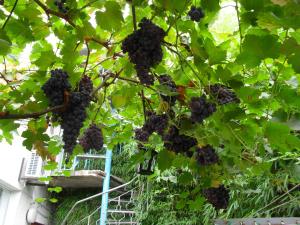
(250,197)
(68,198)
(254,52)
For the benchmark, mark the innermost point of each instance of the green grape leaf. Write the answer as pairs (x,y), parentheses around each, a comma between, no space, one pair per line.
(112,18)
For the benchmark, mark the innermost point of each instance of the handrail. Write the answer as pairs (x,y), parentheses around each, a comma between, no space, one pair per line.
(83,219)
(94,196)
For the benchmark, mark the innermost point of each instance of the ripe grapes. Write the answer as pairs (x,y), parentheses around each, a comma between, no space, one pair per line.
(179,143)
(206,156)
(168,82)
(73,116)
(144,49)
(55,87)
(218,197)
(201,109)
(154,123)
(222,94)
(92,138)
(196,14)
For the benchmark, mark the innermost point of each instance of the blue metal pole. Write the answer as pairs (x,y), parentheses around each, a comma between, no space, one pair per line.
(104,204)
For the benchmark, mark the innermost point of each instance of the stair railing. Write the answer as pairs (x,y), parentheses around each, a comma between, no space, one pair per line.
(118,198)
(95,196)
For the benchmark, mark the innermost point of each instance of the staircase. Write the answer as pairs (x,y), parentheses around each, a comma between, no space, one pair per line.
(120,209)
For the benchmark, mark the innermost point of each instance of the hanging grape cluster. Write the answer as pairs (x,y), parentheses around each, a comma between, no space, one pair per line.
(144,49)
(201,109)
(179,143)
(154,123)
(218,197)
(196,14)
(56,87)
(222,94)
(58,91)
(168,82)
(86,88)
(92,138)
(206,156)
(60,4)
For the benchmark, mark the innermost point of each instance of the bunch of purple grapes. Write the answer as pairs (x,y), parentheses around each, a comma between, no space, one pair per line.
(74,114)
(201,109)
(154,123)
(218,197)
(206,156)
(56,86)
(196,14)
(144,49)
(222,94)
(167,81)
(179,143)
(92,139)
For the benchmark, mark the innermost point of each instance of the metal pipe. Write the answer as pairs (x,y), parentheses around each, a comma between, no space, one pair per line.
(104,203)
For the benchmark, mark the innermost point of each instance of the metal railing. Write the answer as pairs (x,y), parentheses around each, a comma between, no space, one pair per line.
(95,196)
(115,199)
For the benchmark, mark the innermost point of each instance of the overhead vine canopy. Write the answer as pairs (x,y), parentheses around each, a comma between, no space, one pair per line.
(210,99)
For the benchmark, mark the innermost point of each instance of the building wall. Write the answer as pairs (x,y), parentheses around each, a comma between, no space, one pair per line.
(17,197)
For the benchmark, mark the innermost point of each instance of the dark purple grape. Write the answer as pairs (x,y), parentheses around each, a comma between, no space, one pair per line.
(144,49)
(206,156)
(179,143)
(72,118)
(222,94)
(218,197)
(201,109)
(196,14)
(142,135)
(154,123)
(92,139)
(55,87)
(168,82)
(144,76)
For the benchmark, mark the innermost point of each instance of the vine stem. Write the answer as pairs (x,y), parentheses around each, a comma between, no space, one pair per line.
(52,12)
(7,81)
(239,23)
(135,28)
(133,17)
(7,115)
(87,58)
(10,14)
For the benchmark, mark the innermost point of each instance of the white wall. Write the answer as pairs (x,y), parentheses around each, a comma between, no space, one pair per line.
(17,197)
